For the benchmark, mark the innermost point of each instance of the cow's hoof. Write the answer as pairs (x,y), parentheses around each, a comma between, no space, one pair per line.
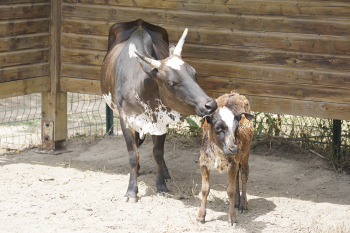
(200,219)
(232,224)
(131,199)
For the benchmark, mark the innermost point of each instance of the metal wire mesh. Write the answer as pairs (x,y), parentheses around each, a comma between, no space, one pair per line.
(308,132)
(20,121)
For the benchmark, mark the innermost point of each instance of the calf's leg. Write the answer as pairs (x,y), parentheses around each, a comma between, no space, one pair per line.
(243,205)
(237,195)
(205,192)
(158,154)
(232,171)
(131,144)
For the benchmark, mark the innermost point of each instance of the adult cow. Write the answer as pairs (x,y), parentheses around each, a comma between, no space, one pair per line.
(150,89)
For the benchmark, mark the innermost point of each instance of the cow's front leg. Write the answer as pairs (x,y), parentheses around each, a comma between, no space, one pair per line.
(131,144)
(158,154)
(231,191)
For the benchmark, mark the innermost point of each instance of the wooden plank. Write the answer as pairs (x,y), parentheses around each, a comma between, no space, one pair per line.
(259,23)
(111,13)
(24,87)
(24,42)
(213,36)
(81,72)
(26,11)
(82,86)
(3,2)
(20,27)
(320,77)
(267,56)
(83,57)
(23,72)
(24,57)
(300,108)
(315,9)
(278,90)
(54,103)
(282,41)
(70,40)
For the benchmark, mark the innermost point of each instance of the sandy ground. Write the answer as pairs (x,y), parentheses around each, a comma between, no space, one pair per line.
(289,190)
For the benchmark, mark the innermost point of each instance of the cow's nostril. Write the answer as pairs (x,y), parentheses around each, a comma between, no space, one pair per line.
(211,106)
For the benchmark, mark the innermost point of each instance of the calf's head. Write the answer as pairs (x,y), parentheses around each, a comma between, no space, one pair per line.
(177,83)
(223,129)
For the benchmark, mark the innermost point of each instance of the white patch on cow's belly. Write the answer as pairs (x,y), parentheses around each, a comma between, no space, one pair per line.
(132,49)
(174,63)
(143,123)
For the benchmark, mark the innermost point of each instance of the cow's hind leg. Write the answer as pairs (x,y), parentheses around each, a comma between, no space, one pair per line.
(165,171)
(131,144)
(158,154)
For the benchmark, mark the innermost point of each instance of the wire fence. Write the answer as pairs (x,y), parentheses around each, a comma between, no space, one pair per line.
(20,124)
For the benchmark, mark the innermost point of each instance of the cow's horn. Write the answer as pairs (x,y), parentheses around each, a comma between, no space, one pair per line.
(180,44)
(151,62)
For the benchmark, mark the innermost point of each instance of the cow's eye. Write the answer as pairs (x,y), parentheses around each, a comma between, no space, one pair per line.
(172,84)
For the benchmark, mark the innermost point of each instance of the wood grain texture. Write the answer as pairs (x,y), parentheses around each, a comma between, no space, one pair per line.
(293,42)
(110,13)
(83,57)
(23,72)
(70,40)
(276,89)
(26,11)
(81,72)
(21,27)
(293,8)
(24,42)
(4,2)
(259,23)
(23,57)
(80,86)
(24,87)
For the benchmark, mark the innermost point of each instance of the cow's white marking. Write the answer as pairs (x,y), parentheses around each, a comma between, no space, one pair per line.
(144,123)
(174,63)
(132,49)
(227,116)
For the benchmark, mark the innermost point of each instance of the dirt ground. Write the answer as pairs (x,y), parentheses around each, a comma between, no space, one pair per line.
(289,190)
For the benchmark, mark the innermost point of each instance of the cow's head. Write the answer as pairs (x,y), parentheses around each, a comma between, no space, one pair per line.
(177,83)
(223,126)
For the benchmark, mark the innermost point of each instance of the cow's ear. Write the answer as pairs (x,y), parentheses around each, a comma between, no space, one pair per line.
(171,50)
(145,67)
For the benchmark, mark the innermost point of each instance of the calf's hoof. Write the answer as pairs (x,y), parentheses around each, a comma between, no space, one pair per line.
(243,211)
(232,224)
(200,219)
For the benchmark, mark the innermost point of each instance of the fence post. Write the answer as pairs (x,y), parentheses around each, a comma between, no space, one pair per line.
(337,138)
(54,102)
(109,120)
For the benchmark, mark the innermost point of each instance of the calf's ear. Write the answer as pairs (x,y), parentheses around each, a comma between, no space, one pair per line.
(208,118)
(249,116)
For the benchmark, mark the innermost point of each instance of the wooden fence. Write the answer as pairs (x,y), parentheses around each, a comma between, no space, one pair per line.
(287,57)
